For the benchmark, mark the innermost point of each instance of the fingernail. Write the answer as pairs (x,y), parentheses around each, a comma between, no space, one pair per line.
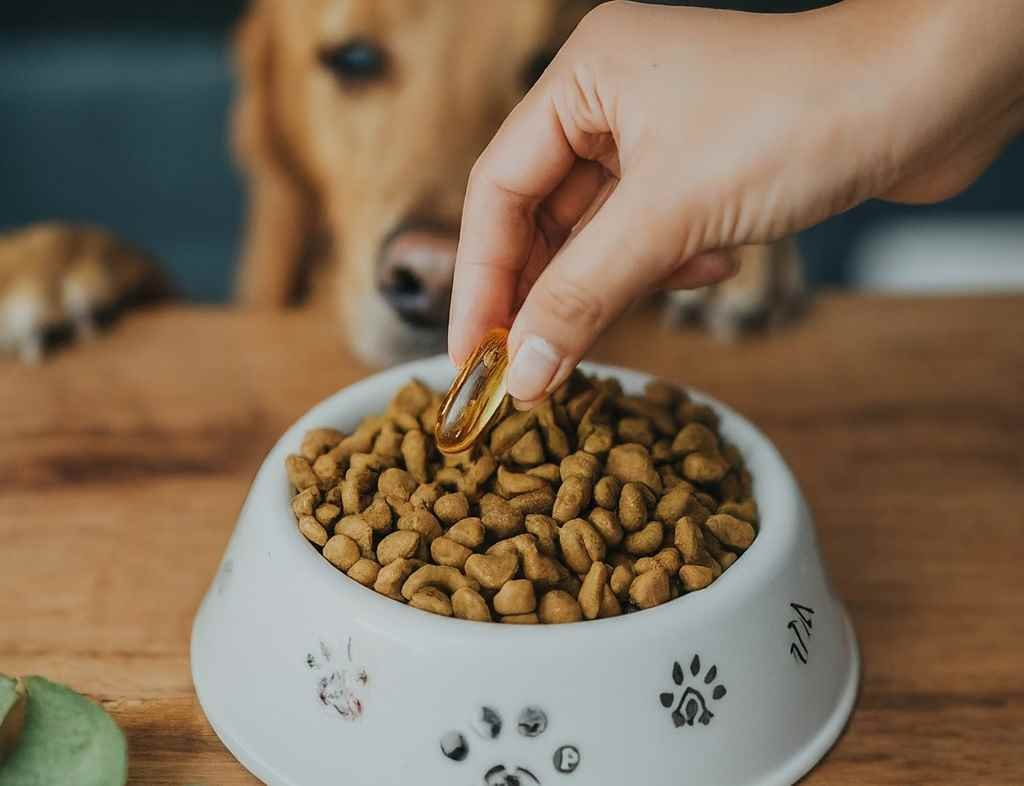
(533,368)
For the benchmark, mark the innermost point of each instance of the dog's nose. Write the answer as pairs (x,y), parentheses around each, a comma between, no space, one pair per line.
(414,276)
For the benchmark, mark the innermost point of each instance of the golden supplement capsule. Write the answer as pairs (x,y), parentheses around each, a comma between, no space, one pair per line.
(475,395)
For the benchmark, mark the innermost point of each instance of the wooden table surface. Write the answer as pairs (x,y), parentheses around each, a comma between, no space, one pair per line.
(124,464)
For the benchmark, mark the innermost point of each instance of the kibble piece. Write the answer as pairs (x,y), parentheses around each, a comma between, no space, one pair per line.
(607,524)
(499,517)
(452,507)
(632,462)
(413,398)
(300,473)
(313,530)
(305,502)
(727,559)
(746,510)
(581,545)
(342,552)
(592,589)
(528,450)
(689,539)
(415,453)
(433,600)
(549,472)
(389,441)
(426,495)
(545,530)
(678,502)
(573,496)
(364,571)
(399,545)
(446,578)
(701,468)
(520,619)
(734,533)
(515,597)
(468,604)
(510,430)
(357,529)
(327,514)
(422,521)
(492,570)
(378,515)
(512,483)
(319,440)
(521,544)
(639,430)
(632,507)
(695,438)
(659,416)
(327,470)
(662,394)
(540,501)
(557,606)
(650,589)
(661,452)
(354,498)
(646,541)
(446,551)
(622,576)
(398,483)
(469,532)
(695,577)
(582,465)
(392,576)
(541,569)
(555,440)
(606,492)
(477,473)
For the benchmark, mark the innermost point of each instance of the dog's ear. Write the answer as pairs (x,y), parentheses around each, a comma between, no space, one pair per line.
(281,209)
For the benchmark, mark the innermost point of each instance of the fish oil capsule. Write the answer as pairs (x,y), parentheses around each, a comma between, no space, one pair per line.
(475,395)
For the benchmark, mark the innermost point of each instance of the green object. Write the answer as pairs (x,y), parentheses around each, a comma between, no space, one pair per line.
(67,740)
(12,713)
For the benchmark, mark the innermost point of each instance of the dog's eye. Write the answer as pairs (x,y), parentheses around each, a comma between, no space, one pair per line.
(535,67)
(356,61)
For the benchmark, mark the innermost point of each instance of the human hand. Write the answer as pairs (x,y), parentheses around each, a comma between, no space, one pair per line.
(667,136)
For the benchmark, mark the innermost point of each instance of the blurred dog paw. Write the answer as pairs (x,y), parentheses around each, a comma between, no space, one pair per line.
(769,290)
(59,280)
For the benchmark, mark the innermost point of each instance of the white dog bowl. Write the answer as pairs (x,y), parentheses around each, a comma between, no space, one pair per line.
(311,679)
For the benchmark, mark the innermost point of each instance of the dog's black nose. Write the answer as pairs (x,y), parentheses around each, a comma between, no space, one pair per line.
(414,276)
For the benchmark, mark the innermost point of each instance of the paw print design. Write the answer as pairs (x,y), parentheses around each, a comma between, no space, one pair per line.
(338,686)
(691,706)
(532,722)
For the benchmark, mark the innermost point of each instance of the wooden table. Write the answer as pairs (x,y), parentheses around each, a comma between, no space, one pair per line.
(125,462)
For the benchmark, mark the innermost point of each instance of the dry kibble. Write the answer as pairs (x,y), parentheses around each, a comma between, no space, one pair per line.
(364,571)
(397,483)
(327,514)
(342,552)
(650,589)
(399,545)
(300,473)
(515,597)
(557,606)
(581,545)
(592,503)
(393,576)
(422,521)
(646,541)
(574,495)
(433,600)
(499,517)
(733,533)
(701,468)
(492,570)
(540,501)
(305,502)
(468,604)
(452,507)
(695,577)
(313,530)
(632,507)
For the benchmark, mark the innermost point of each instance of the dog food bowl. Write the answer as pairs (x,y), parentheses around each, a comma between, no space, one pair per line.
(311,679)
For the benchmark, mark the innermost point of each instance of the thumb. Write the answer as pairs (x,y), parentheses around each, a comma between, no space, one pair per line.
(615,258)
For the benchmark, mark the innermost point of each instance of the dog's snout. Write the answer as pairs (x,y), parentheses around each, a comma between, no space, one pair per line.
(414,275)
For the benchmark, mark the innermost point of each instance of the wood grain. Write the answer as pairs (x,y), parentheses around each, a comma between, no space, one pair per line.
(124,464)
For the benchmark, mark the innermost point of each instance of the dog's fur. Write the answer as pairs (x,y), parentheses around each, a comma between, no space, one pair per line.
(354,180)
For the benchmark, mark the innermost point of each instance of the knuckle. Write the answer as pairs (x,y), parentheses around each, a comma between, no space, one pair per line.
(568,303)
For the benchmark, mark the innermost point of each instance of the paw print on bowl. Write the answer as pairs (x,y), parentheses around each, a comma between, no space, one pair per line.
(338,685)
(488,726)
(691,705)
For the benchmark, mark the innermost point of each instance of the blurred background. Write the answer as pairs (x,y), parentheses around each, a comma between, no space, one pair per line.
(115,112)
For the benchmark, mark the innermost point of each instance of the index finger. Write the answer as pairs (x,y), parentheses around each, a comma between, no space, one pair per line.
(526,160)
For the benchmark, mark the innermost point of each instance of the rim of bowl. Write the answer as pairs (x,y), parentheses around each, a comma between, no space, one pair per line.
(778,497)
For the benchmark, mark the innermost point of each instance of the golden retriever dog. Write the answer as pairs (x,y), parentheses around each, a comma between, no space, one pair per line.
(356,125)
